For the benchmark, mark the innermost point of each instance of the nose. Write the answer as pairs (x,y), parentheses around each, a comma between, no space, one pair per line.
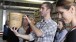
(59,16)
(60,19)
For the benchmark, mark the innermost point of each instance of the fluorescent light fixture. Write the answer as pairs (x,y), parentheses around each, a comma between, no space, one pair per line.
(29,11)
(27,7)
(39,1)
(21,7)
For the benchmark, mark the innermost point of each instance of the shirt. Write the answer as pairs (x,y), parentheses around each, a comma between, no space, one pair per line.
(48,27)
(60,36)
(71,36)
(21,31)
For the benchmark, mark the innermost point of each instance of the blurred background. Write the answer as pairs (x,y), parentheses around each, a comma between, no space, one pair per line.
(28,7)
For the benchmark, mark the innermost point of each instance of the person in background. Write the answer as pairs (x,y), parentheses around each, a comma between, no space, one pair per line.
(45,30)
(61,32)
(25,29)
(29,30)
(8,35)
(22,29)
(5,32)
(67,11)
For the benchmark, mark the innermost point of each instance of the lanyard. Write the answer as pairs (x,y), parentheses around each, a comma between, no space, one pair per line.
(73,28)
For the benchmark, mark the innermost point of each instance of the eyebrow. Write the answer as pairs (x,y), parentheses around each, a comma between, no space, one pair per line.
(59,12)
(41,7)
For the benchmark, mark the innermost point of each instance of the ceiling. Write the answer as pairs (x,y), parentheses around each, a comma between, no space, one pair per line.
(23,4)
(28,1)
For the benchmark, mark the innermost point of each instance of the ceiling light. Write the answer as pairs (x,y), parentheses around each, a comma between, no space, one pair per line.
(21,7)
(39,1)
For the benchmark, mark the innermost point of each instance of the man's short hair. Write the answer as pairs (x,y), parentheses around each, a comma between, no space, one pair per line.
(49,5)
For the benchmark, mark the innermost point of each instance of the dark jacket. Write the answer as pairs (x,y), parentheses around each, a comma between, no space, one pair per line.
(9,35)
(71,36)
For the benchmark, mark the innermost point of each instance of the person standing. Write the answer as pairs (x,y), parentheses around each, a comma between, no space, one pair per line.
(8,35)
(61,32)
(25,29)
(67,11)
(45,30)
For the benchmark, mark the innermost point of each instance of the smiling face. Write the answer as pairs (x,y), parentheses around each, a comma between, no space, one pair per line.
(66,15)
(66,9)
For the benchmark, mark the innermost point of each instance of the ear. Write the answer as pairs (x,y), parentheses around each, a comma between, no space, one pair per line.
(72,10)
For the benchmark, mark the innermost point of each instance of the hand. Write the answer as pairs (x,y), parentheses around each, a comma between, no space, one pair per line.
(27,19)
(15,30)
